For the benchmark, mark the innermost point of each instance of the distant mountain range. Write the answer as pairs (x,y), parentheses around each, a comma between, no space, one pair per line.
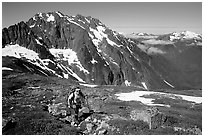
(174,36)
(84,49)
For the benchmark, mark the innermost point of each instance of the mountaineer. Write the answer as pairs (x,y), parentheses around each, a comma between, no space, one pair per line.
(76,101)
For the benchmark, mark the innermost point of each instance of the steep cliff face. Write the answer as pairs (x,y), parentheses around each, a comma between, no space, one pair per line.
(21,34)
(85,49)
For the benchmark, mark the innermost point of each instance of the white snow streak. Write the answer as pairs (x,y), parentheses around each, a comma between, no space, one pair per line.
(72,21)
(5,68)
(59,14)
(91,36)
(38,42)
(87,20)
(77,24)
(75,75)
(168,84)
(129,50)
(69,71)
(82,21)
(144,85)
(88,85)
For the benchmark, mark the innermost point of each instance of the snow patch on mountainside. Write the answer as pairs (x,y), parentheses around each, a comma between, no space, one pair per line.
(71,20)
(145,97)
(144,85)
(93,61)
(6,68)
(31,56)
(70,56)
(138,96)
(31,26)
(50,18)
(127,83)
(19,52)
(99,34)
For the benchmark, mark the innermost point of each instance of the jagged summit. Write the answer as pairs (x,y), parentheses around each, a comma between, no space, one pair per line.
(50,16)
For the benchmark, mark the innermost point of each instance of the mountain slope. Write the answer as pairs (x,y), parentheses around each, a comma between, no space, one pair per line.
(84,49)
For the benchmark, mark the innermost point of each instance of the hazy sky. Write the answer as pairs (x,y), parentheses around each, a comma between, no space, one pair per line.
(124,17)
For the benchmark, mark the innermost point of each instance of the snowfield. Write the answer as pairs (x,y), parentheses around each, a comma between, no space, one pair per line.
(18,52)
(30,55)
(70,56)
(139,96)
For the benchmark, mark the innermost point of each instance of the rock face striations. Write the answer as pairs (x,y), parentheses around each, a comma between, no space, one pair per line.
(84,49)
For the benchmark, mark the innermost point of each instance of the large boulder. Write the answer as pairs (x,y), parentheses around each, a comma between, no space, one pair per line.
(150,115)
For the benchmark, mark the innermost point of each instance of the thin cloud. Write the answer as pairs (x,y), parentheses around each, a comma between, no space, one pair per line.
(150,50)
(154,42)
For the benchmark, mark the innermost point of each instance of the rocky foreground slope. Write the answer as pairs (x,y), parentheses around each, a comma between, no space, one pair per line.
(35,105)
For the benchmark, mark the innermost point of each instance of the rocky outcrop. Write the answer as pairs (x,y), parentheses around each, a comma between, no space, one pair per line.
(153,117)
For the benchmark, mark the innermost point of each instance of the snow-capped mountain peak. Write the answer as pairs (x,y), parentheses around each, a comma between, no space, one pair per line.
(184,35)
(141,34)
(84,49)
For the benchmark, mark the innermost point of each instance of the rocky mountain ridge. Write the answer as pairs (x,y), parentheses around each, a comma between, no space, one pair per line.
(84,49)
